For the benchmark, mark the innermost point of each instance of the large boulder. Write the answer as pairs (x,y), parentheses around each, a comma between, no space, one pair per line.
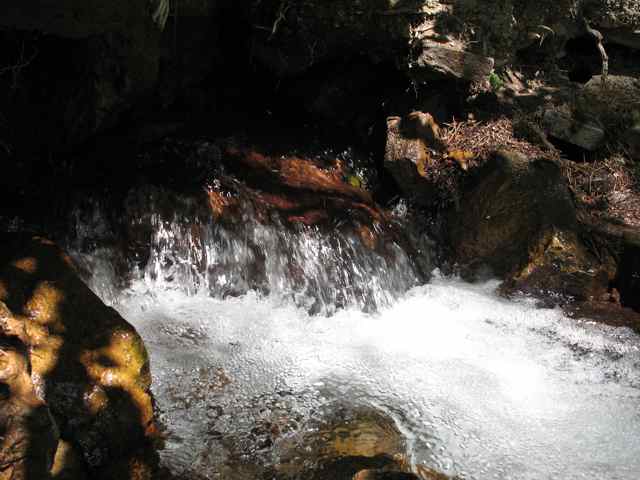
(29,433)
(88,364)
(517,219)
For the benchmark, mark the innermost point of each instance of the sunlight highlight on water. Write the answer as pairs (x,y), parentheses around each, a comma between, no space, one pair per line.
(481,387)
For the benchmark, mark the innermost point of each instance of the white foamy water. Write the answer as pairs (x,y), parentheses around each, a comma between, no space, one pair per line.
(481,387)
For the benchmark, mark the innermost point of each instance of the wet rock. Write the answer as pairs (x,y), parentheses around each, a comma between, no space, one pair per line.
(586,133)
(560,264)
(605,312)
(519,220)
(29,433)
(345,445)
(89,364)
(411,143)
(383,475)
(618,245)
(624,37)
(68,463)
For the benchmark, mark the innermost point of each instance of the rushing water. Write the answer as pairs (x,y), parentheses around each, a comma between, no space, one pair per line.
(477,386)
(481,387)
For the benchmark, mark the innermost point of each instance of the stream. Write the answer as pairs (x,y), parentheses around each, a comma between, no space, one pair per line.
(480,387)
(254,382)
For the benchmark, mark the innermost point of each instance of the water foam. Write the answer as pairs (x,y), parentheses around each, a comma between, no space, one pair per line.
(481,387)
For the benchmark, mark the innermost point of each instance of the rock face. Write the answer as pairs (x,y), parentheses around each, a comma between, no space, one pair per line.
(518,219)
(586,133)
(88,364)
(435,60)
(29,433)
(411,143)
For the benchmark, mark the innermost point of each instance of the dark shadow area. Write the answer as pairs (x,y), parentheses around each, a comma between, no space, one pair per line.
(628,280)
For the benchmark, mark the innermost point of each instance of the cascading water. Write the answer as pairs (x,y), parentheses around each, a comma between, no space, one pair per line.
(245,372)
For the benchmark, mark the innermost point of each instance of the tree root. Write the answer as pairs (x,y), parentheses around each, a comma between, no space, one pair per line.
(598,37)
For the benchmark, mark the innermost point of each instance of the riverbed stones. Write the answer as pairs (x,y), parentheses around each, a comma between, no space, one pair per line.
(344,445)
(88,364)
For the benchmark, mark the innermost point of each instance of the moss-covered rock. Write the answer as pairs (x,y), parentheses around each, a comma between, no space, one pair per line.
(518,219)
(89,364)
(29,434)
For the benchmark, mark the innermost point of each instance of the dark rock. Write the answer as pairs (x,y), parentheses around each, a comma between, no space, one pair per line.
(518,219)
(584,133)
(347,443)
(408,154)
(91,365)
(384,475)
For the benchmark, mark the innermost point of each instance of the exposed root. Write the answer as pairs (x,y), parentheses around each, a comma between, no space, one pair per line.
(597,36)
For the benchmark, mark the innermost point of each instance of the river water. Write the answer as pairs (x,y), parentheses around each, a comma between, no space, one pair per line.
(474,385)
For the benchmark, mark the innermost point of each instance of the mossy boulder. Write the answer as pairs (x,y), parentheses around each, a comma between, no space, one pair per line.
(29,434)
(88,363)
(517,221)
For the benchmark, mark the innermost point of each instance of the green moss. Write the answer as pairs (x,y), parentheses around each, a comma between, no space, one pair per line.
(495,81)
